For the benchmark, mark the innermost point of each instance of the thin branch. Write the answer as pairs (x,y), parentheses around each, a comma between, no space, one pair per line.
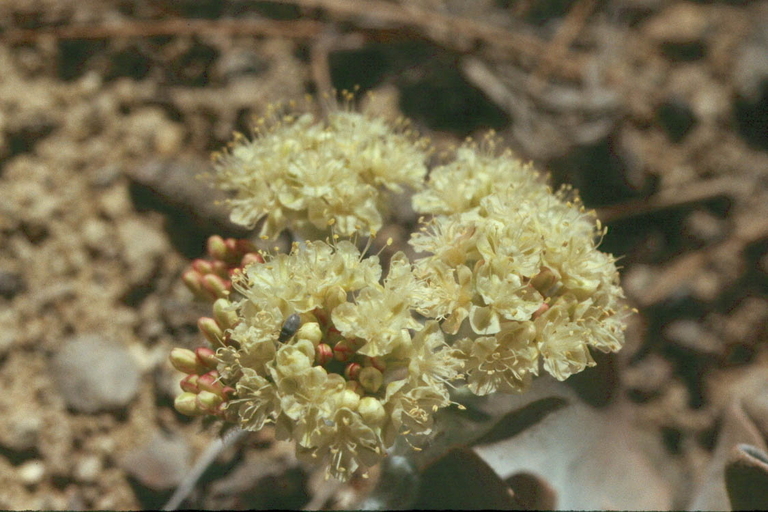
(444,29)
(214,449)
(696,192)
(299,29)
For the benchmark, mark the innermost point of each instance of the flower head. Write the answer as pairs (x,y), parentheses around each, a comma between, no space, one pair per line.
(516,269)
(303,173)
(511,281)
(358,370)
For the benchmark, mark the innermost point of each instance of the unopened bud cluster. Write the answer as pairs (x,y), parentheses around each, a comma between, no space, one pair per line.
(210,279)
(321,344)
(204,393)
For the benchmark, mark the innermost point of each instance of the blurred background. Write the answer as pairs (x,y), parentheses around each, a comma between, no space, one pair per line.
(657,111)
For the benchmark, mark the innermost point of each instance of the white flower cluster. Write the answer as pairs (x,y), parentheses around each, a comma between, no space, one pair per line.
(352,371)
(520,264)
(301,173)
(317,343)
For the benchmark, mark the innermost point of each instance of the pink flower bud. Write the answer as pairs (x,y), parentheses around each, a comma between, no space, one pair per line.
(243,246)
(207,358)
(211,331)
(202,267)
(352,371)
(185,361)
(231,246)
(323,354)
(191,278)
(208,402)
(343,351)
(186,403)
(189,383)
(210,382)
(251,258)
(217,248)
(225,317)
(220,269)
(217,286)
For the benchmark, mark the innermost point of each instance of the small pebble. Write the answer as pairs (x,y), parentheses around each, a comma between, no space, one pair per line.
(679,23)
(31,472)
(143,247)
(701,226)
(21,432)
(647,378)
(95,374)
(88,468)
(692,335)
(161,464)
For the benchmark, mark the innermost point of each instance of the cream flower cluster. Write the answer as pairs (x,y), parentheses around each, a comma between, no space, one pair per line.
(302,173)
(332,355)
(319,343)
(514,272)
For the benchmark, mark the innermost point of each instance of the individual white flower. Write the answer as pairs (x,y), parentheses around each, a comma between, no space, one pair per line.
(504,362)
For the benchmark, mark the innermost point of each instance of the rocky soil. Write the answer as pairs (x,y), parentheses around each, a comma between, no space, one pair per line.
(657,111)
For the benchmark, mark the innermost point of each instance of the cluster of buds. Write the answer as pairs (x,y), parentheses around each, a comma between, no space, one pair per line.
(203,392)
(212,279)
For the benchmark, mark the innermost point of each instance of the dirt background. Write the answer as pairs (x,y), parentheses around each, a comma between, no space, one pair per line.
(656,110)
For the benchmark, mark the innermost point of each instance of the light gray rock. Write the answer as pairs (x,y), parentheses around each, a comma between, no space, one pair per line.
(95,374)
(160,464)
(143,248)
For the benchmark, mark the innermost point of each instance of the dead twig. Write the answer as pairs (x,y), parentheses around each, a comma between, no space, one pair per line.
(444,29)
(692,193)
(686,269)
(569,29)
(299,29)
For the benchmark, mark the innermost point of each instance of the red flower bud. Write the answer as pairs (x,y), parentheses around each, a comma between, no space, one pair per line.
(186,403)
(211,330)
(207,357)
(217,248)
(251,258)
(185,361)
(210,382)
(208,402)
(189,383)
(343,351)
(202,267)
(323,354)
(352,371)
(217,286)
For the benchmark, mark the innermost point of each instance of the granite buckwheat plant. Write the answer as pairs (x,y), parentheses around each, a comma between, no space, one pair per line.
(324,346)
